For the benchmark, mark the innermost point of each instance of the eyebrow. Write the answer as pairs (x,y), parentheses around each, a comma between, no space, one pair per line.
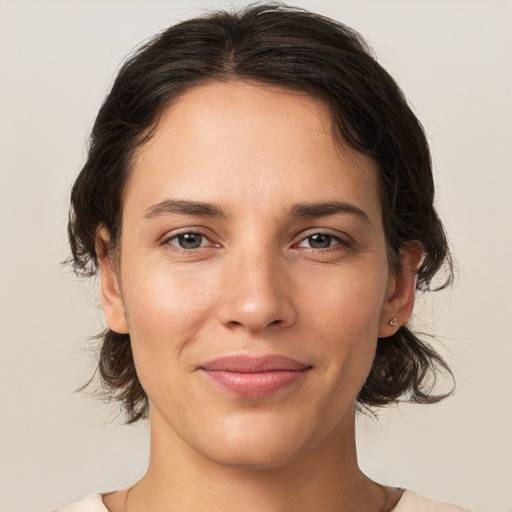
(170,206)
(328,208)
(183,207)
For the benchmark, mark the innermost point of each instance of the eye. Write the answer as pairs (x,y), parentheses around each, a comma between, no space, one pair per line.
(321,241)
(189,241)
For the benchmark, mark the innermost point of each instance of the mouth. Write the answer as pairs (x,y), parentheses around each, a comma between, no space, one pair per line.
(254,376)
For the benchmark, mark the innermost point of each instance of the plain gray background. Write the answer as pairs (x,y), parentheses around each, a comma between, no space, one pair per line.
(57,59)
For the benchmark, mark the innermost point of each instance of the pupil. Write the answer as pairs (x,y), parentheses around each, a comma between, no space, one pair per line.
(320,241)
(190,240)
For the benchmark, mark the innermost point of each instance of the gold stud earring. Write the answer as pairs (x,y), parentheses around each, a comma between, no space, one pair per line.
(392,322)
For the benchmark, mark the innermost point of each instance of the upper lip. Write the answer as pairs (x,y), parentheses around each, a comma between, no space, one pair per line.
(254,364)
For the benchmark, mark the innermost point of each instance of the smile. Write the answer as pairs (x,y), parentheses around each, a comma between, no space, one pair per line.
(254,377)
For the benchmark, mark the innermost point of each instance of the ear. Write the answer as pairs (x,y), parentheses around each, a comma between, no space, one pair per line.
(111,298)
(399,301)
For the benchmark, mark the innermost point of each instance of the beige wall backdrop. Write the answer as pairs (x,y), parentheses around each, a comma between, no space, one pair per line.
(57,59)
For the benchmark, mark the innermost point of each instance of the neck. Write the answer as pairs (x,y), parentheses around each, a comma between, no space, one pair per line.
(326,478)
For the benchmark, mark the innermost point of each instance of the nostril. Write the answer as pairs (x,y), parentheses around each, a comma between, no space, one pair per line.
(236,323)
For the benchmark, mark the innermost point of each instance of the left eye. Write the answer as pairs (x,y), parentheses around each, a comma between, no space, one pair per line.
(320,241)
(189,240)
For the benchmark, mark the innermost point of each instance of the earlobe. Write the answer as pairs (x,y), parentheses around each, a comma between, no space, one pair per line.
(399,301)
(111,297)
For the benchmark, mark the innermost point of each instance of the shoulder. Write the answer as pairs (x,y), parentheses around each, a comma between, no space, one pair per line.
(92,503)
(412,502)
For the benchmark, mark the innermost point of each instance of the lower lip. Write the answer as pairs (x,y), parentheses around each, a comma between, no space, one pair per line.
(255,385)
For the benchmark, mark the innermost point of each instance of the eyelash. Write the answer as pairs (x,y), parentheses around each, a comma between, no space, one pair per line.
(167,241)
(341,243)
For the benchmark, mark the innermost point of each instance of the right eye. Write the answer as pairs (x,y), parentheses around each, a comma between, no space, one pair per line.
(189,240)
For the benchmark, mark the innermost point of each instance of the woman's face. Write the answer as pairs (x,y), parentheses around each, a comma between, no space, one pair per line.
(253,277)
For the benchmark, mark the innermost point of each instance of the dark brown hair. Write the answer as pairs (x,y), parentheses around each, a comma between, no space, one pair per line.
(290,48)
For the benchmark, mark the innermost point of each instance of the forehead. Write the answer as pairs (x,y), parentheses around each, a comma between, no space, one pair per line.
(247,142)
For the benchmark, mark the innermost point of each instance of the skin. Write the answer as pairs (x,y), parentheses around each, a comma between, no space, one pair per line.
(256,285)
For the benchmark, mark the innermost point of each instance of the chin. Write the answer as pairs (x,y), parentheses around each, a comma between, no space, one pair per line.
(255,458)
(259,445)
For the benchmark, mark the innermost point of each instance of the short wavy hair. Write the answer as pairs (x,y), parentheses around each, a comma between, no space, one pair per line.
(291,48)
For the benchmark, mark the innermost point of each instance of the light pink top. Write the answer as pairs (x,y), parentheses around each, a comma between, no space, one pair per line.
(409,502)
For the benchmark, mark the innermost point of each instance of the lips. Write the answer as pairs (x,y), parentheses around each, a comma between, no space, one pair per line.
(254,376)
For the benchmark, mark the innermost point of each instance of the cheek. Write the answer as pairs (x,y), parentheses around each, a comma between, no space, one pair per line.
(344,321)
(165,310)
(349,300)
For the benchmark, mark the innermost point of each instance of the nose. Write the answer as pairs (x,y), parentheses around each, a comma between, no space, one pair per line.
(256,293)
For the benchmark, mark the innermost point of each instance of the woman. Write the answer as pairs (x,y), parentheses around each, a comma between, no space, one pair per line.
(258,201)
